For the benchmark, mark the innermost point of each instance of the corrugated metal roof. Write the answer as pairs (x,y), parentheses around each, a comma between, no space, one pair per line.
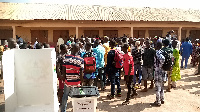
(32,11)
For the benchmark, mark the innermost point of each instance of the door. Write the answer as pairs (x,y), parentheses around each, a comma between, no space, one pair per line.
(110,33)
(6,34)
(40,35)
(194,34)
(91,33)
(139,33)
(60,33)
(153,33)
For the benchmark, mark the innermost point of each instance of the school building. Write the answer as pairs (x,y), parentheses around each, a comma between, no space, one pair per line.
(48,22)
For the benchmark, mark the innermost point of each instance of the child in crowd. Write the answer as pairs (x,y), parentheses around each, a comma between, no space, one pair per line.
(113,73)
(137,55)
(89,74)
(168,63)
(160,76)
(129,73)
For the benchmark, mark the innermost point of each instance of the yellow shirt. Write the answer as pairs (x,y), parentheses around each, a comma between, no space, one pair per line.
(1,48)
(107,49)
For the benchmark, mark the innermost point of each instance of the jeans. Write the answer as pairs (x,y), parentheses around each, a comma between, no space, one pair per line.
(186,61)
(137,67)
(102,76)
(115,80)
(65,98)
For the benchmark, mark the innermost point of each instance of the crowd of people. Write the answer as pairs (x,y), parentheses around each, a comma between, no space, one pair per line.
(103,61)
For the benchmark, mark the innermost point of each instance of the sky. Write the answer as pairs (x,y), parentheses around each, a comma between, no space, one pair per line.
(183,4)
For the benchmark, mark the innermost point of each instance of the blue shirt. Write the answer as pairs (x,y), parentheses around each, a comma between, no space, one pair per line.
(186,49)
(99,51)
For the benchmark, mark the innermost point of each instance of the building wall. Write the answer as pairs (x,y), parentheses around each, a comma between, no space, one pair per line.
(25,32)
(23,29)
(121,31)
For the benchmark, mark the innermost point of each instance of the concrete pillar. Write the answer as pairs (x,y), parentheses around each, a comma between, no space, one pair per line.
(146,33)
(77,36)
(101,32)
(131,32)
(187,33)
(14,31)
(179,33)
(50,35)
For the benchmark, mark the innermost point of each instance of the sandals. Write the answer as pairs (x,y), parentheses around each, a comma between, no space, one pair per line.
(156,104)
(111,96)
(126,102)
(168,90)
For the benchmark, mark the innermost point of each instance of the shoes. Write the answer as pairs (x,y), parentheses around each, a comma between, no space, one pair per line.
(162,102)
(103,89)
(151,87)
(137,86)
(168,90)
(156,104)
(173,86)
(134,94)
(111,96)
(119,95)
(126,102)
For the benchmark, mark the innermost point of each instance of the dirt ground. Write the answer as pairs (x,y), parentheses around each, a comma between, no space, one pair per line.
(184,98)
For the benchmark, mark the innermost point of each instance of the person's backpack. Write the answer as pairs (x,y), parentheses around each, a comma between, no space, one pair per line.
(167,66)
(89,64)
(118,59)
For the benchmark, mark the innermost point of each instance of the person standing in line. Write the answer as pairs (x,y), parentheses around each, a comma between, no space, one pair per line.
(194,55)
(12,43)
(148,65)
(186,49)
(129,72)
(73,69)
(160,76)
(176,68)
(89,75)
(99,51)
(198,73)
(60,75)
(113,72)
(107,49)
(167,66)
(137,55)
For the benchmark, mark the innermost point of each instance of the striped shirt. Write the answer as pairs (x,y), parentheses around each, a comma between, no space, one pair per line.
(73,66)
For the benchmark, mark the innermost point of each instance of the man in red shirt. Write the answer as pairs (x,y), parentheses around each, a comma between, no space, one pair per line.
(129,72)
